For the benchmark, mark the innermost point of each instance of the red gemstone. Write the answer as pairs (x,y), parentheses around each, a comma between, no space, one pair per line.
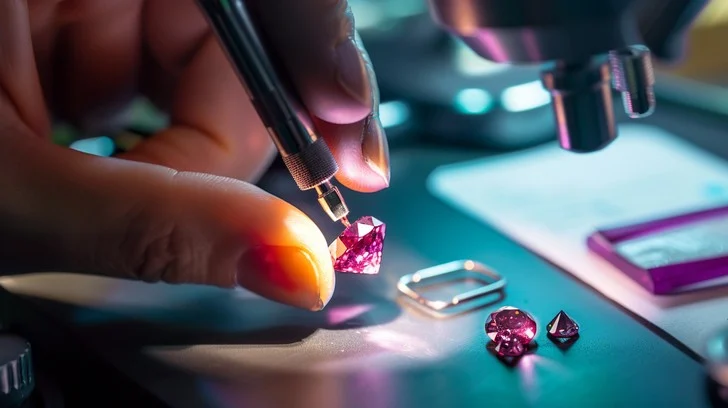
(562,326)
(359,248)
(511,330)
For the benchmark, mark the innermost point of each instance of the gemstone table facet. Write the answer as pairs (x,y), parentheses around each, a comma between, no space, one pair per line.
(359,248)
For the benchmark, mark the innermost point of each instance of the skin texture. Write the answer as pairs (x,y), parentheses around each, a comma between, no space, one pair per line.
(178,207)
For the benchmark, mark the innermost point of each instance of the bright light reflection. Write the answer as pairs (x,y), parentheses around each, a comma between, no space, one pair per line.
(372,14)
(527,366)
(367,15)
(471,64)
(473,101)
(525,97)
(393,113)
(400,343)
(98,146)
(341,314)
(527,371)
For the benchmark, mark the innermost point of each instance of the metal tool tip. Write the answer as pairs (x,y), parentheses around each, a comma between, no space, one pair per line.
(332,202)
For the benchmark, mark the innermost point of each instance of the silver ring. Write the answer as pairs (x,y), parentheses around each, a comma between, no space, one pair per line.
(451,272)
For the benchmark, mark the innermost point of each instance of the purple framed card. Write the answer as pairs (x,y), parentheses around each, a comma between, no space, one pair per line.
(668,254)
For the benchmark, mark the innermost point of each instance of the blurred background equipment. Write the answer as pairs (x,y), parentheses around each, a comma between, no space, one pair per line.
(454,95)
(457,95)
(17,380)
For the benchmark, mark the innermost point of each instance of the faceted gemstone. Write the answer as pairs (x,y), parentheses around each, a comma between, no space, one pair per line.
(562,326)
(512,348)
(511,330)
(359,248)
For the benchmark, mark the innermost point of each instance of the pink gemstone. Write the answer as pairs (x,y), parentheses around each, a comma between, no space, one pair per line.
(359,248)
(562,326)
(511,330)
(513,348)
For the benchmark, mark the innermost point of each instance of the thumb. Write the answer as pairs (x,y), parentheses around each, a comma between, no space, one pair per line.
(317,45)
(74,212)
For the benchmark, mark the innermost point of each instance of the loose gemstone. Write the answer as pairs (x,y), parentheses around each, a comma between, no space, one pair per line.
(562,326)
(512,348)
(359,248)
(511,330)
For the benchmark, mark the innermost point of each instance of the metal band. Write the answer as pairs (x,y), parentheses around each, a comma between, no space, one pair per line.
(450,272)
(312,166)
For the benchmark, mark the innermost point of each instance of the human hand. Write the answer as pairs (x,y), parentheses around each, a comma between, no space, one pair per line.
(176,208)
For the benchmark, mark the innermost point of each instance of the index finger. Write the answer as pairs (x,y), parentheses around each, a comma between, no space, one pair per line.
(319,48)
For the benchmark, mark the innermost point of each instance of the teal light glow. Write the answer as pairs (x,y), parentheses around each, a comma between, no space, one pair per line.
(473,101)
(393,113)
(367,15)
(469,63)
(524,97)
(98,146)
(382,14)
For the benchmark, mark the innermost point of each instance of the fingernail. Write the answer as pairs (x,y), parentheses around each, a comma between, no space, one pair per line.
(375,148)
(352,71)
(285,274)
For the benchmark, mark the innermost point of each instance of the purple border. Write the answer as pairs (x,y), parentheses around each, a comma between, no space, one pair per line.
(663,279)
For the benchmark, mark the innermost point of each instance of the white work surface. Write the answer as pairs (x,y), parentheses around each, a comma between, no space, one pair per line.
(550,201)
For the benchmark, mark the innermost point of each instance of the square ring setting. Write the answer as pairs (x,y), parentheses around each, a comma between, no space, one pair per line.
(492,282)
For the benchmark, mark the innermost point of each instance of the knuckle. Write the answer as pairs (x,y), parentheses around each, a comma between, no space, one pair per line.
(158,256)
(153,248)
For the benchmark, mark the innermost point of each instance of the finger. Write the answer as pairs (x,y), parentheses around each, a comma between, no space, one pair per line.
(18,73)
(214,127)
(330,69)
(96,64)
(140,221)
(315,40)
(358,170)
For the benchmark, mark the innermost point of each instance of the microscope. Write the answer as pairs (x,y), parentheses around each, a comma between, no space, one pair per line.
(587,48)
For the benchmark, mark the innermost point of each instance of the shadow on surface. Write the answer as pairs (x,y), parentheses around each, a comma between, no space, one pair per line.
(511,361)
(717,394)
(563,344)
(219,318)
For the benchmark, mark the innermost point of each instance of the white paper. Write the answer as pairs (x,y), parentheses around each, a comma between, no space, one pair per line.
(551,201)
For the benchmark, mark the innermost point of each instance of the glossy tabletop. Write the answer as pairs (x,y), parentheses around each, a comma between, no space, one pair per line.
(195,346)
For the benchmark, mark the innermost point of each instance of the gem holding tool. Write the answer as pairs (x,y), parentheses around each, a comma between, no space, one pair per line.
(304,153)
